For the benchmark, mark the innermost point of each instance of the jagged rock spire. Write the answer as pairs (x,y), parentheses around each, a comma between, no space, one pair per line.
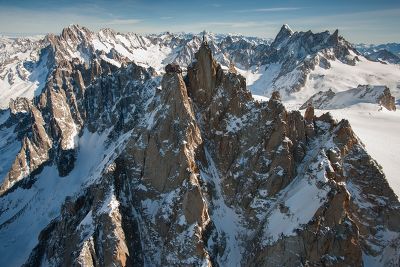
(232,68)
(284,33)
(204,40)
(203,83)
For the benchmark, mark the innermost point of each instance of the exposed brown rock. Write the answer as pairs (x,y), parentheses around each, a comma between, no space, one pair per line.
(232,68)
(309,114)
(276,95)
(345,137)
(34,151)
(171,68)
(203,76)
(20,104)
(387,100)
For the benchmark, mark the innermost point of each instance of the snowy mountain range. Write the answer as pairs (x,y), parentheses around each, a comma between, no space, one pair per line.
(370,48)
(110,158)
(389,53)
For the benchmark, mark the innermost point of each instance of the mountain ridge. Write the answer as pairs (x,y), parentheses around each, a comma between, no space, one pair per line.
(184,169)
(254,58)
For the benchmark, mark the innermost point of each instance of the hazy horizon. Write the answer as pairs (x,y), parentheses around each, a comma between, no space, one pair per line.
(358,21)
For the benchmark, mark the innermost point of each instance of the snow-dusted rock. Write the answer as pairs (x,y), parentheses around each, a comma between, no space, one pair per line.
(362,94)
(119,166)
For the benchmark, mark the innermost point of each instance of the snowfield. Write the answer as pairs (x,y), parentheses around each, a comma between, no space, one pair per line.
(23,76)
(341,77)
(379,131)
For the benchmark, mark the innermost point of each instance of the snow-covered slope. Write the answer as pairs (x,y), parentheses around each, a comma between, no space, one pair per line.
(23,68)
(341,77)
(379,131)
(306,63)
(298,64)
(44,199)
(362,94)
(9,145)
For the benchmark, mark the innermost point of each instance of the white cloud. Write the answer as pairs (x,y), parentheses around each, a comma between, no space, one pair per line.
(273,9)
(43,21)
(239,24)
(122,21)
(376,26)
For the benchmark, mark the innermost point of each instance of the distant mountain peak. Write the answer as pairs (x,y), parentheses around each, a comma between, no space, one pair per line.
(75,31)
(284,33)
(286,27)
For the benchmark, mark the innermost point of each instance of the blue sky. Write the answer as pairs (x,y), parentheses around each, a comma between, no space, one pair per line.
(359,21)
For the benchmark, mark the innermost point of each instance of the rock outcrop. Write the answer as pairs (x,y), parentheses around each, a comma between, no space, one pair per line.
(386,100)
(171,68)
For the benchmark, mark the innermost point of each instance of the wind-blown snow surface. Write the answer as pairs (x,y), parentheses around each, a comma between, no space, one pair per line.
(379,131)
(361,94)
(341,77)
(43,200)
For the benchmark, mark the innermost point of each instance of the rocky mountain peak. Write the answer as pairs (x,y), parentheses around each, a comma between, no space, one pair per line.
(203,75)
(20,104)
(75,33)
(335,34)
(300,53)
(107,32)
(171,68)
(286,28)
(284,33)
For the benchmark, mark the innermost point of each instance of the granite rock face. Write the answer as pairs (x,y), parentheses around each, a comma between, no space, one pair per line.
(129,169)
